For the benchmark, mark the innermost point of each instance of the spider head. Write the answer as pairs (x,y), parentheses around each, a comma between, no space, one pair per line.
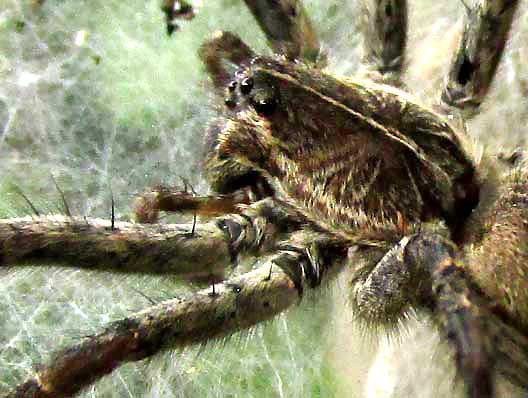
(238,144)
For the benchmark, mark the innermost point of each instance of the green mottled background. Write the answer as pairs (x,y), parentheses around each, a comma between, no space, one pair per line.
(95,94)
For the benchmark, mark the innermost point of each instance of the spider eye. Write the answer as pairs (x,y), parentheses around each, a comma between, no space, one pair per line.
(246,85)
(264,106)
(232,86)
(230,102)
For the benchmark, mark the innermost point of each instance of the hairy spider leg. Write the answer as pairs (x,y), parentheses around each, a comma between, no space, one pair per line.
(424,271)
(288,29)
(237,303)
(143,248)
(483,40)
(149,204)
(386,39)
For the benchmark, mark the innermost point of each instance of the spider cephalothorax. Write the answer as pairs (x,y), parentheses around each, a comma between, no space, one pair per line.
(336,150)
(318,173)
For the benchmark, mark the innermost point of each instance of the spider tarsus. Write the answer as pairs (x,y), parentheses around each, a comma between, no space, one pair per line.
(146,208)
(176,9)
(288,29)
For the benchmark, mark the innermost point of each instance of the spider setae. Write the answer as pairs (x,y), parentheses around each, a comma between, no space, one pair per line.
(318,173)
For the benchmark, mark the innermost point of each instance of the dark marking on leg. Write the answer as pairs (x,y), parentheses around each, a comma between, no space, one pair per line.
(465,71)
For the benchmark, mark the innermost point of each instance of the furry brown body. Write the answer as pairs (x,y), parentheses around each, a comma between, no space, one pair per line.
(339,151)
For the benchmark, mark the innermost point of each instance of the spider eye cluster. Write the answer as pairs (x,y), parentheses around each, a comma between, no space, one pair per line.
(261,96)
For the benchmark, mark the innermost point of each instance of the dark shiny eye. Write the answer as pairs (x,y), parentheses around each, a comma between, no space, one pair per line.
(246,85)
(264,106)
(232,85)
(230,102)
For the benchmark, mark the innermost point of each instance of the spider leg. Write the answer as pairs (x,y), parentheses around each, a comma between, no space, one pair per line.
(148,205)
(481,46)
(382,295)
(288,29)
(483,342)
(498,264)
(285,24)
(457,308)
(386,38)
(238,303)
(421,272)
(92,243)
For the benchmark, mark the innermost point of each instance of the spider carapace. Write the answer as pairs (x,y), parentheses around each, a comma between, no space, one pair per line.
(356,157)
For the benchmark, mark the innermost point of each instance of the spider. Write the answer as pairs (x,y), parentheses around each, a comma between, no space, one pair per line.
(319,173)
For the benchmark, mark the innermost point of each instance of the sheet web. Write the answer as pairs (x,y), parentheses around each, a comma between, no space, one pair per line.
(95,95)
